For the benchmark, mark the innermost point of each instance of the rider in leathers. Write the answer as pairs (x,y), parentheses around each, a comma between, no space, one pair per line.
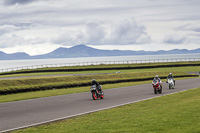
(157,79)
(170,76)
(94,82)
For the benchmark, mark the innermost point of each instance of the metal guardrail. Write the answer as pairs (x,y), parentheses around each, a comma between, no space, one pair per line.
(99,63)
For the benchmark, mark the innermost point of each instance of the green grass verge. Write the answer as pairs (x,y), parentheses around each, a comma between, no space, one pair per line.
(35,84)
(87,78)
(171,113)
(168,69)
(139,73)
(47,83)
(53,81)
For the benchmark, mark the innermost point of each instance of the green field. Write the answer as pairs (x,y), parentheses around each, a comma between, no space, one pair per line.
(54,81)
(168,69)
(86,69)
(8,84)
(171,113)
(139,73)
(175,113)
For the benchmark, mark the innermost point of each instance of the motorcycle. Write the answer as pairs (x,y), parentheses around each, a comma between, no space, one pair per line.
(170,81)
(157,87)
(95,93)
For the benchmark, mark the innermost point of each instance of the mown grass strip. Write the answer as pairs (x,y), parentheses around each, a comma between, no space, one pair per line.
(48,83)
(48,74)
(171,113)
(105,67)
(70,79)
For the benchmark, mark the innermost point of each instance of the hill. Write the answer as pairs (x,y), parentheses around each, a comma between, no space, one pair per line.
(85,51)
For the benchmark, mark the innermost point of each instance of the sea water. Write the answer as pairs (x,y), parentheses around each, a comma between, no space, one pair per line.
(33,62)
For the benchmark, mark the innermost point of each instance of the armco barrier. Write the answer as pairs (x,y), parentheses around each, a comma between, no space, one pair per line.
(12,91)
(99,63)
(93,69)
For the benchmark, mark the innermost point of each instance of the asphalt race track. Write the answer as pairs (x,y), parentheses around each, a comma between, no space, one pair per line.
(20,114)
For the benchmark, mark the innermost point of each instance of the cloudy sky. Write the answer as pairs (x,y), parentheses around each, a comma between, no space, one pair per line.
(40,26)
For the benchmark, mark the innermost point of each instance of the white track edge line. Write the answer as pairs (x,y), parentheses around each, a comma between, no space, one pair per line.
(67,117)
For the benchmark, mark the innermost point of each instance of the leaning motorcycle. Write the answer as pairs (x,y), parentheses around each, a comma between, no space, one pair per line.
(157,87)
(170,81)
(95,93)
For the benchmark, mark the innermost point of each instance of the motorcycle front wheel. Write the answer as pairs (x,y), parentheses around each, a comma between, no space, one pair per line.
(169,86)
(160,90)
(94,95)
(155,90)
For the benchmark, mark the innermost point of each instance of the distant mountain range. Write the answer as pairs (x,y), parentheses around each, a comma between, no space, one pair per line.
(85,51)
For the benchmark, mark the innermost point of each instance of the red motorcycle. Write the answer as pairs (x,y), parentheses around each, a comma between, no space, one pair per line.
(97,93)
(157,87)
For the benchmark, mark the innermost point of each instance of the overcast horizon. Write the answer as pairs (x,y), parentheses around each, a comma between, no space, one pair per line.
(40,26)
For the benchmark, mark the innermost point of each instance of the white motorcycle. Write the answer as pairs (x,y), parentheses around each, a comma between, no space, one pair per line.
(170,81)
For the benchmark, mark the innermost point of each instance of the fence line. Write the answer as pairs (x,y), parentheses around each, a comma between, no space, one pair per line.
(99,63)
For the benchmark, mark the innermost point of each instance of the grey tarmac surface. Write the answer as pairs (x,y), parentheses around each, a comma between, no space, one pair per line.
(19,114)
(195,73)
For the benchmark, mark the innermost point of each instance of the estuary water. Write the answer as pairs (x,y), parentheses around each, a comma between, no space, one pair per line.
(32,62)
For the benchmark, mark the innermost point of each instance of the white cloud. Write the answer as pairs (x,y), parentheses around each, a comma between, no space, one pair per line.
(13,2)
(15,40)
(38,48)
(93,33)
(99,22)
(66,38)
(174,39)
(128,32)
(190,27)
(7,28)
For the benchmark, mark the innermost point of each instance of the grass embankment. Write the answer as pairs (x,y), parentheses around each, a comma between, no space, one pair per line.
(125,77)
(134,73)
(171,113)
(104,67)
(35,84)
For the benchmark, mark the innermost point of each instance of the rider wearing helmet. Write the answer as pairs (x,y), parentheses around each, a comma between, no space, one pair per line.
(157,79)
(94,82)
(170,76)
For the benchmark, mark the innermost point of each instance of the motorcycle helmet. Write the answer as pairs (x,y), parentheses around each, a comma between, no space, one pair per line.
(170,73)
(156,76)
(93,80)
